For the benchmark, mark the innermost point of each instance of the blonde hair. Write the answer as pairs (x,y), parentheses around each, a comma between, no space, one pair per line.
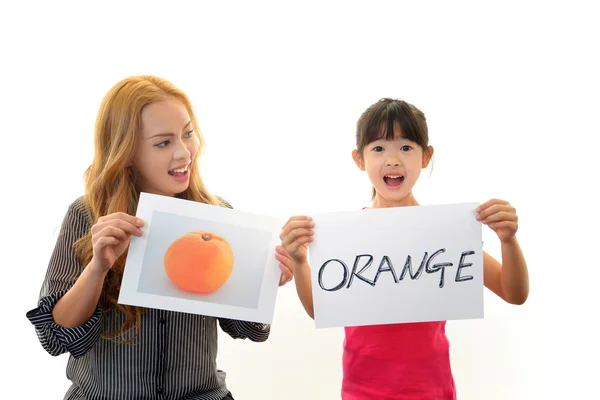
(110,181)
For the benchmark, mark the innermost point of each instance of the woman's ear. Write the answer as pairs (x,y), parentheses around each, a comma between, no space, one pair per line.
(358,159)
(427,154)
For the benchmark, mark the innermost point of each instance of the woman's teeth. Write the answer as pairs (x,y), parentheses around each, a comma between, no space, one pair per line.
(179,170)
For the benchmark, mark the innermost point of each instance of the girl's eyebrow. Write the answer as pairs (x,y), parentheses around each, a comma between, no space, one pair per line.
(169,133)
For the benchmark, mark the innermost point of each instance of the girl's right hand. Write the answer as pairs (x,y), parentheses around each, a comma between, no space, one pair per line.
(295,236)
(111,236)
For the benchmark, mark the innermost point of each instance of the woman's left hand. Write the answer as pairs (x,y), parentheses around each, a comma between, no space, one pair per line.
(501,217)
(285,265)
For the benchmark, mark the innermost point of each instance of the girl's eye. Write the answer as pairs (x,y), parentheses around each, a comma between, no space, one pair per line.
(377,148)
(406,148)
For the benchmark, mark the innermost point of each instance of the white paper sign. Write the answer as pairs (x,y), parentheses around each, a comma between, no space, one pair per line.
(394,265)
(203,259)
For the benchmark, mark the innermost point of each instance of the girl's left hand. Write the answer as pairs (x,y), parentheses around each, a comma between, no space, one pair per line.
(501,217)
(285,265)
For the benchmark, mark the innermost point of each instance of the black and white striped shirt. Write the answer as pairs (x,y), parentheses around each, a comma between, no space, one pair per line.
(173,357)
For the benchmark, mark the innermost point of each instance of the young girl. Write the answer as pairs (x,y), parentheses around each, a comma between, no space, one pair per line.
(146,139)
(411,360)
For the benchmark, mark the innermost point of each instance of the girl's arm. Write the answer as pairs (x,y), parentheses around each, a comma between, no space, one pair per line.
(509,279)
(304,287)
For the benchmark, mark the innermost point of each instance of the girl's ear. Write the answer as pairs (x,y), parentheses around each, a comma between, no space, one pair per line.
(427,154)
(358,159)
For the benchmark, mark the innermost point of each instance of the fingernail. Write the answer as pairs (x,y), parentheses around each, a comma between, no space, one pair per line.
(139,222)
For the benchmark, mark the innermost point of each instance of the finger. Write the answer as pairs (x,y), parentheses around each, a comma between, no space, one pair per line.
(490,209)
(282,259)
(286,264)
(124,217)
(297,218)
(282,277)
(295,225)
(106,241)
(295,235)
(292,233)
(294,246)
(500,216)
(301,223)
(297,249)
(495,209)
(111,231)
(292,230)
(282,253)
(489,203)
(117,223)
(504,224)
(286,275)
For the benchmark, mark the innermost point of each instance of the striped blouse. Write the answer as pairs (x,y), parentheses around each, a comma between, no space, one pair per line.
(173,357)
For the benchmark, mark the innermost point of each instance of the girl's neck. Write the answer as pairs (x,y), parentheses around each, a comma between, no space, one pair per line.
(380,202)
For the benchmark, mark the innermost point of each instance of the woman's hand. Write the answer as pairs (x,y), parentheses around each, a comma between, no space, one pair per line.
(111,236)
(285,265)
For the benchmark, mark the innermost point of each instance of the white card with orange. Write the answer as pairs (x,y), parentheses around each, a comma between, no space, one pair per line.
(203,259)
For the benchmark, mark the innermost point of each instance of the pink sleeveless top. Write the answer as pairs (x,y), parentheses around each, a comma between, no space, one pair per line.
(397,361)
(408,361)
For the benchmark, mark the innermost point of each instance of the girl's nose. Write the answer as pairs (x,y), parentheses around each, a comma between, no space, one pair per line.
(393,162)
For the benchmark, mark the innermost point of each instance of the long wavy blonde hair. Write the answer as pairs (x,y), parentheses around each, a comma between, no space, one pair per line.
(110,181)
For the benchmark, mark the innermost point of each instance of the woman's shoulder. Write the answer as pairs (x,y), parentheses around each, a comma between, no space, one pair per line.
(78,209)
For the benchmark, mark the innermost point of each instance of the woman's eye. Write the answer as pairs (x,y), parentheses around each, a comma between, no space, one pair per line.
(189,134)
(163,144)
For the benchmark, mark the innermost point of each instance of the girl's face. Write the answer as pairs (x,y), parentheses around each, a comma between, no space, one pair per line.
(393,167)
(166,148)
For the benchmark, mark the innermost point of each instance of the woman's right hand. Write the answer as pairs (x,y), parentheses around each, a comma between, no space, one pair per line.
(295,237)
(111,236)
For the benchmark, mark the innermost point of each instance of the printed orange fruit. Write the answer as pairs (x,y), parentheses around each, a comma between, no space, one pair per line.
(199,262)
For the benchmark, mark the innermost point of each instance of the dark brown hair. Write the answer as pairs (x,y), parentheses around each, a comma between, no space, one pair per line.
(378,122)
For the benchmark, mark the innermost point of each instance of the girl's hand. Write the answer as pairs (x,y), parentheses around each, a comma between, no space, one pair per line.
(285,264)
(501,217)
(295,236)
(111,236)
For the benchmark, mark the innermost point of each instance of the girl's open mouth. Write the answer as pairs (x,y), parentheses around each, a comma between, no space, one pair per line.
(393,180)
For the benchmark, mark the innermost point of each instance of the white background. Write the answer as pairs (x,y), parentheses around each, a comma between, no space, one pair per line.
(511,96)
